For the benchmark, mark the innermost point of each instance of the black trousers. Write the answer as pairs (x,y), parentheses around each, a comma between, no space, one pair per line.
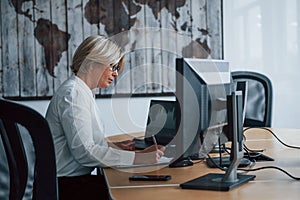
(82,187)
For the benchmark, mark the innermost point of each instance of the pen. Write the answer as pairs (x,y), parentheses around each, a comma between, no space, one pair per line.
(154,141)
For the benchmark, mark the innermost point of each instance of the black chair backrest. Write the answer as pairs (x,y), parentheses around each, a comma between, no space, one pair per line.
(15,119)
(259,98)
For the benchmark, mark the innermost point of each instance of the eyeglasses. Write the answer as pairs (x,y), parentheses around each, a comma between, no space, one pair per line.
(116,67)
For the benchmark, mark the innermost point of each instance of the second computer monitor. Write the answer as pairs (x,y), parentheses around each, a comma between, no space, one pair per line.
(201,90)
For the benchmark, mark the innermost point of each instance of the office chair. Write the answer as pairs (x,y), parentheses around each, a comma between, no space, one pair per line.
(26,147)
(259,98)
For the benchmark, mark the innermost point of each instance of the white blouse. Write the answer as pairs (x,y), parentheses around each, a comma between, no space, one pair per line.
(78,133)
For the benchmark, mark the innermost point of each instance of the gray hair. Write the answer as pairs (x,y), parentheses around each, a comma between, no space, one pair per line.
(96,49)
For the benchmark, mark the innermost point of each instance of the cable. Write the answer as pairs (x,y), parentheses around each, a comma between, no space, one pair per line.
(215,164)
(252,150)
(252,164)
(226,149)
(250,169)
(264,128)
(290,146)
(245,146)
(271,167)
(200,161)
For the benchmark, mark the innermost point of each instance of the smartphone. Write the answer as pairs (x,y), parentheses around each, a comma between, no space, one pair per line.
(150,178)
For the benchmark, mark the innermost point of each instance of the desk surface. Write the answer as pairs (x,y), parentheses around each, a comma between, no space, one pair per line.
(268,184)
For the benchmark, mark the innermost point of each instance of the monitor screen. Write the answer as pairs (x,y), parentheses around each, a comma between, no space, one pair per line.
(161,121)
(202,87)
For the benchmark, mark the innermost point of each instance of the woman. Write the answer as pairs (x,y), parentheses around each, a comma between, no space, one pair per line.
(77,131)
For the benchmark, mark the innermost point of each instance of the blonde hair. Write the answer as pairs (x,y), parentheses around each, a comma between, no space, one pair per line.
(96,49)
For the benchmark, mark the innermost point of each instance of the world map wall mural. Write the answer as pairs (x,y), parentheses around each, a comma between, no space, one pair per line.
(39,38)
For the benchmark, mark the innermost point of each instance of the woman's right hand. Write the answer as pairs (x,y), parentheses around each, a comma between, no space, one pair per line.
(149,155)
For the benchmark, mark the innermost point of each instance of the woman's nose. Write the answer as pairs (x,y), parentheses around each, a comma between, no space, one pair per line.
(115,73)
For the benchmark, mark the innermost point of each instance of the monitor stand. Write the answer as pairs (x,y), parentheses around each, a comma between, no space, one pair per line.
(231,179)
(181,162)
(225,161)
(220,182)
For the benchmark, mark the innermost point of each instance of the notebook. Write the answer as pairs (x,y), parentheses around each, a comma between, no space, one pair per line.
(161,123)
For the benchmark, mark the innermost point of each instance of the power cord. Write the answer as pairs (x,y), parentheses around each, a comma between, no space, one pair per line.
(215,164)
(253,162)
(252,150)
(290,146)
(270,131)
(245,146)
(271,167)
(251,169)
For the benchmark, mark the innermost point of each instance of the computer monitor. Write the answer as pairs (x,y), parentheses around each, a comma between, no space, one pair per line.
(201,89)
(234,131)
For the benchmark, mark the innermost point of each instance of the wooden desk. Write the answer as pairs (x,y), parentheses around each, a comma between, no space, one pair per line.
(268,184)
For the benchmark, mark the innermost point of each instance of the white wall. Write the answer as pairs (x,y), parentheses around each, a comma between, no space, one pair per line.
(263,36)
(119,115)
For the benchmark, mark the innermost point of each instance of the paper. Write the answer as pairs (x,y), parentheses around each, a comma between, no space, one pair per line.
(162,161)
